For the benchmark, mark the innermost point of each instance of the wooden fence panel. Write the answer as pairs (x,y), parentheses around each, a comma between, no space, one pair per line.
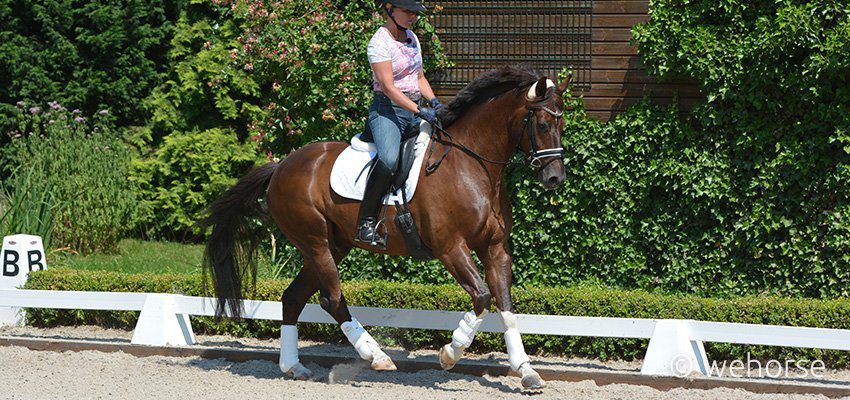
(617,77)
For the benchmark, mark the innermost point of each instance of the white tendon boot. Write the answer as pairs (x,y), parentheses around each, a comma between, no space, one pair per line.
(366,346)
(289,363)
(462,338)
(516,354)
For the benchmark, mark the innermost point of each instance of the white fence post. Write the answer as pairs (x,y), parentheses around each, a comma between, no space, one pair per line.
(20,255)
(672,352)
(160,325)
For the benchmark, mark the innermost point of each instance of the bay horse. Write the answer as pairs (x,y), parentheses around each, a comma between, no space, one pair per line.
(460,207)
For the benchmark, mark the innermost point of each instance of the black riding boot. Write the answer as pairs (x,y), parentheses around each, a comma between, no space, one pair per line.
(377,185)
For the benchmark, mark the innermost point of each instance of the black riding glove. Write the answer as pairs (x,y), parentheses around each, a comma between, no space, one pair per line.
(435,103)
(428,114)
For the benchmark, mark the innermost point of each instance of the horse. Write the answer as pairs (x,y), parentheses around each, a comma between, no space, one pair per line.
(461,205)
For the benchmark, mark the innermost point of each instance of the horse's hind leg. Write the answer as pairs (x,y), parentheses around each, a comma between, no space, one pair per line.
(324,266)
(293,300)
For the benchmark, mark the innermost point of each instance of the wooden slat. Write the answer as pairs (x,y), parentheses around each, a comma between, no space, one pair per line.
(621,103)
(616,62)
(618,20)
(620,7)
(621,76)
(639,90)
(613,49)
(611,34)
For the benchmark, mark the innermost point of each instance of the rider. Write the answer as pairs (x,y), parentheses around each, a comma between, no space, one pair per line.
(399,84)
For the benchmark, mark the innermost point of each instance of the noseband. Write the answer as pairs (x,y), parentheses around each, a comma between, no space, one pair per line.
(535,156)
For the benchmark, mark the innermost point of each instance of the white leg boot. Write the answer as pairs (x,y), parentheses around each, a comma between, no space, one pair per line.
(289,363)
(462,338)
(516,354)
(366,346)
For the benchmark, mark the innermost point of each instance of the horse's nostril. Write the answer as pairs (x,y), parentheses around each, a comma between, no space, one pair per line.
(553,180)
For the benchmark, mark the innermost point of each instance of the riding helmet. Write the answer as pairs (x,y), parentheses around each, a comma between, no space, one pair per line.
(410,5)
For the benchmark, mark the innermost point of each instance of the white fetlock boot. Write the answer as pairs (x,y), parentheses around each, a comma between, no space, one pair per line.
(462,338)
(366,346)
(289,363)
(516,355)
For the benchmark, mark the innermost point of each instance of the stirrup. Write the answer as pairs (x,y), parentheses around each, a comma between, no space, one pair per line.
(367,232)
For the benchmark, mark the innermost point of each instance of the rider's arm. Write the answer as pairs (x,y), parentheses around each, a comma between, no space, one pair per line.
(425,87)
(384,74)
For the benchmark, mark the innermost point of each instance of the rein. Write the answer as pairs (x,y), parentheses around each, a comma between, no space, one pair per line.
(533,159)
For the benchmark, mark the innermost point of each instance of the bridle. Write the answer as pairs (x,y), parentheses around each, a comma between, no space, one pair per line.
(536,155)
(534,158)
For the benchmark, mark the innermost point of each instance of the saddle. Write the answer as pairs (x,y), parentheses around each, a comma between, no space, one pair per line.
(403,218)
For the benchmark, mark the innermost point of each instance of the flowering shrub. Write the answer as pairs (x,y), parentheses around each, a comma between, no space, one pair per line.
(311,55)
(79,167)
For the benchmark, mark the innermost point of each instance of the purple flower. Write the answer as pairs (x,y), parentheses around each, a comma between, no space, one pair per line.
(103,112)
(54,105)
(35,110)
(20,103)
(50,122)
(79,119)
(76,111)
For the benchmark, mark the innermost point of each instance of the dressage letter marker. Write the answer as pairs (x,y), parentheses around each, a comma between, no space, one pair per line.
(17,250)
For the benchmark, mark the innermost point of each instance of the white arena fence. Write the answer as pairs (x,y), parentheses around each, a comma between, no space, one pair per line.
(164,321)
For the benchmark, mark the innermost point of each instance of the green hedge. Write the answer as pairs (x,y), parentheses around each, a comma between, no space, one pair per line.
(550,301)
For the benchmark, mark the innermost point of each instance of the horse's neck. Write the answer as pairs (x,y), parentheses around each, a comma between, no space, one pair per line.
(486,130)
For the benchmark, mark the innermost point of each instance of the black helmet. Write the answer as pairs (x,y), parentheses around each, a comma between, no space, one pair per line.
(410,5)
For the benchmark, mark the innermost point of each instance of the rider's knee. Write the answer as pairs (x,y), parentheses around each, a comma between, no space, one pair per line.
(391,160)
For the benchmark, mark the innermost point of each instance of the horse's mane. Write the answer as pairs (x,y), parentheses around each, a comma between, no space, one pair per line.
(488,85)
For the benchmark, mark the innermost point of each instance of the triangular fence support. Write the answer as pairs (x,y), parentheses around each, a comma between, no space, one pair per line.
(160,325)
(671,351)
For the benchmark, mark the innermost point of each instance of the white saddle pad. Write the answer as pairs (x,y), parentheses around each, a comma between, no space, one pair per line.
(349,173)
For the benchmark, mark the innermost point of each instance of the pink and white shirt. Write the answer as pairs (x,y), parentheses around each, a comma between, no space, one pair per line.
(406,59)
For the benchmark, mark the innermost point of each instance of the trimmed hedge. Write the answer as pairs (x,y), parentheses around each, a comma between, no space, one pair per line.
(552,301)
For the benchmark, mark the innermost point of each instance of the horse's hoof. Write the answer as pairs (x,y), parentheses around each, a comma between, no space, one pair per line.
(383,364)
(299,373)
(446,360)
(532,380)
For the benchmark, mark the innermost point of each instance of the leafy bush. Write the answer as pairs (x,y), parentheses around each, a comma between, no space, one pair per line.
(89,54)
(204,87)
(776,77)
(82,166)
(532,300)
(312,55)
(181,177)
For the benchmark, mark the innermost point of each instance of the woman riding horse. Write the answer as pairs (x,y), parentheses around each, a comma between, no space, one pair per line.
(399,83)
(460,206)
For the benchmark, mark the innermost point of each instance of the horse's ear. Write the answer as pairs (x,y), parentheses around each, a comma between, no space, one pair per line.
(563,86)
(541,87)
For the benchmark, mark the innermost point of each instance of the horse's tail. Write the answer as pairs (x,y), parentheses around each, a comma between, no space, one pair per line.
(229,255)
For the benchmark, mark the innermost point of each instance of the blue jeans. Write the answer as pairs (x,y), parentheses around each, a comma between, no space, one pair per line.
(388,122)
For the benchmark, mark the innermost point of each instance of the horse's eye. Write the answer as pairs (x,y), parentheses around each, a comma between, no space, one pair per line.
(543,126)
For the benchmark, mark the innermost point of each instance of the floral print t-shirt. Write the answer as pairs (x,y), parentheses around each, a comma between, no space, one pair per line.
(406,58)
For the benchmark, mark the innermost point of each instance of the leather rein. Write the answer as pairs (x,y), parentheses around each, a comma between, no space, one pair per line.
(533,159)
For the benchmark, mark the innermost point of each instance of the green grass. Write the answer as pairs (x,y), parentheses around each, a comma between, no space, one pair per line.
(137,256)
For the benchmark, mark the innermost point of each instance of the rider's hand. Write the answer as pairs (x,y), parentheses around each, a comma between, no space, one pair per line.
(428,114)
(435,103)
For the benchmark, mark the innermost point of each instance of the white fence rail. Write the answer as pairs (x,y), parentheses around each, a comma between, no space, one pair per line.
(164,320)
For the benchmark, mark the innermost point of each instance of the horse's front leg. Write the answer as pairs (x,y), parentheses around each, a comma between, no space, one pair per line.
(460,264)
(497,268)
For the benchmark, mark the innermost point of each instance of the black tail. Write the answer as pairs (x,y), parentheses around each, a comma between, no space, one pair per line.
(229,255)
